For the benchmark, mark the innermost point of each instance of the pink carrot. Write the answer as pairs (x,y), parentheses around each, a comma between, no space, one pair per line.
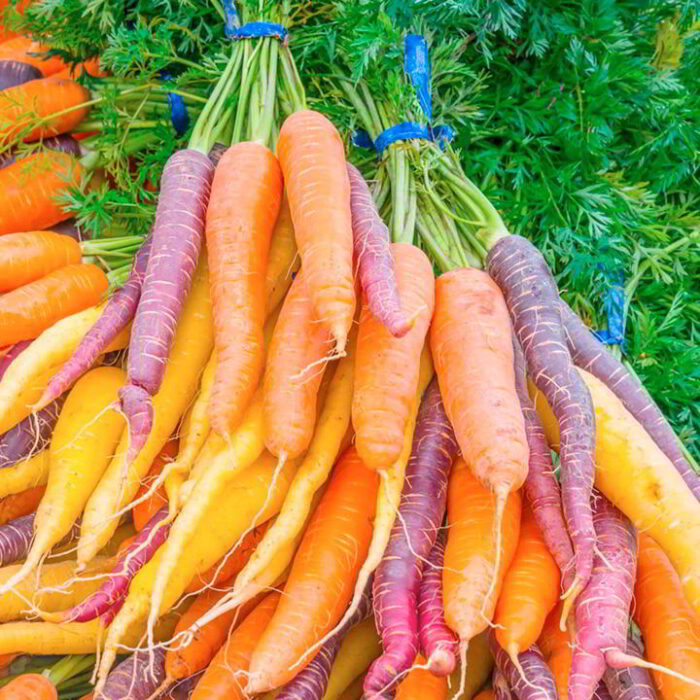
(421,512)
(372,252)
(438,643)
(109,598)
(601,692)
(541,486)
(118,313)
(590,354)
(533,680)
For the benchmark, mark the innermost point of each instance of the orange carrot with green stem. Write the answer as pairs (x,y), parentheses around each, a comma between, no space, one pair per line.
(312,157)
(238,233)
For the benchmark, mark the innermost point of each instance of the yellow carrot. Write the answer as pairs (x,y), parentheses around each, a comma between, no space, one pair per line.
(25,474)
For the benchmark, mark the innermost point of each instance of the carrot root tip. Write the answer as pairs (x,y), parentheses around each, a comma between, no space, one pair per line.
(569,598)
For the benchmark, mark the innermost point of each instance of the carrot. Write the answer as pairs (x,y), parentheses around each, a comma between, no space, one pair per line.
(18,504)
(28,51)
(15,539)
(29,686)
(557,649)
(529,593)
(353,691)
(20,7)
(323,575)
(84,439)
(621,680)
(14,73)
(293,374)
(137,677)
(531,294)
(27,311)
(225,676)
(144,511)
(387,368)
(312,157)
(530,678)
(479,667)
(638,478)
(486,694)
(669,625)
(91,67)
(480,397)
(282,260)
(238,233)
(421,683)
(501,689)
(25,257)
(474,571)
(29,188)
(42,108)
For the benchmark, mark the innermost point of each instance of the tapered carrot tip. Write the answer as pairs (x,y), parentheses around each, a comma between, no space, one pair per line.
(138,410)
(256,684)
(442,662)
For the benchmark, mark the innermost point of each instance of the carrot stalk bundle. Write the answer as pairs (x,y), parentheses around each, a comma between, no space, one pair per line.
(398,577)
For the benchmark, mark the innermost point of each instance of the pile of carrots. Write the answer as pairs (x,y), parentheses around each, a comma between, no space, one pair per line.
(319,471)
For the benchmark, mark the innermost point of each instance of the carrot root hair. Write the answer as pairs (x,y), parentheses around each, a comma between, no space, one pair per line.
(569,597)
(501,499)
(620,659)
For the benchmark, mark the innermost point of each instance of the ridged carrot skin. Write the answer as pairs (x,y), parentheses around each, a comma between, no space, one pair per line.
(15,539)
(555,645)
(30,686)
(620,681)
(26,257)
(535,682)
(24,49)
(238,233)
(29,189)
(27,311)
(135,678)
(64,143)
(312,156)
(531,294)
(421,683)
(22,105)
(14,73)
(386,367)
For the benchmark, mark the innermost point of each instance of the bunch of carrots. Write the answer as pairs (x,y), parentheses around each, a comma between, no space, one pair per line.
(319,471)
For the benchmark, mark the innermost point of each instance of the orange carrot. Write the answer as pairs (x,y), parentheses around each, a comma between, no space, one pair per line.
(293,374)
(225,678)
(29,189)
(386,367)
(238,233)
(91,66)
(474,571)
(530,590)
(25,257)
(18,504)
(312,157)
(22,106)
(25,50)
(30,686)
(6,660)
(322,578)
(421,684)
(557,649)
(27,311)
(669,624)
(144,511)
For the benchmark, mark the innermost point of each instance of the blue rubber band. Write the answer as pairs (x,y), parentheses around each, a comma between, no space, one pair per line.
(256,30)
(614,305)
(232,22)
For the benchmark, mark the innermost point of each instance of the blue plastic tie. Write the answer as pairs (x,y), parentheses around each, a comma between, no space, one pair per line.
(256,30)
(232,23)
(416,65)
(179,116)
(614,305)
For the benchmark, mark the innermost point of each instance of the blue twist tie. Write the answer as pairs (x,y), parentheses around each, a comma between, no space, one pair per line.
(417,67)
(614,306)
(178,109)
(256,30)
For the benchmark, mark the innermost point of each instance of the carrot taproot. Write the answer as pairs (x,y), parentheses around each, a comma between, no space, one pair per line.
(474,571)
(26,257)
(501,689)
(137,677)
(121,481)
(386,367)
(238,233)
(282,260)
(640,480)
(293,373)
(670,627)
(312,156)
(64,143)
(14,73)
(42,108)
(27,474)
(15,539)
(620,681)
(398,577)
(532,298)
(530,678)
(29,188)
(557,648)
(26,50)
(145,510)
(29,686)
(479,667)
(18,504)
(470,312)
(28,310)
(322,577)
(530,590)
(421,683)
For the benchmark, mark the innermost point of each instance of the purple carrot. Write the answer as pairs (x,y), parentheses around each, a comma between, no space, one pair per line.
(590,354)
(183,689)
(312,682)
(601,692)
(15,538)
(177,240)
(70,228)
(64,143)
(137,677)
(602,608)
(631,683)
(113,591)
(16,73)
(12,352)
(421,512)
(30,435)
(533,301)
(533,680)
(119,311)
(541,487)
(438,643)
(217,150)
(501,689)
(372,252)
